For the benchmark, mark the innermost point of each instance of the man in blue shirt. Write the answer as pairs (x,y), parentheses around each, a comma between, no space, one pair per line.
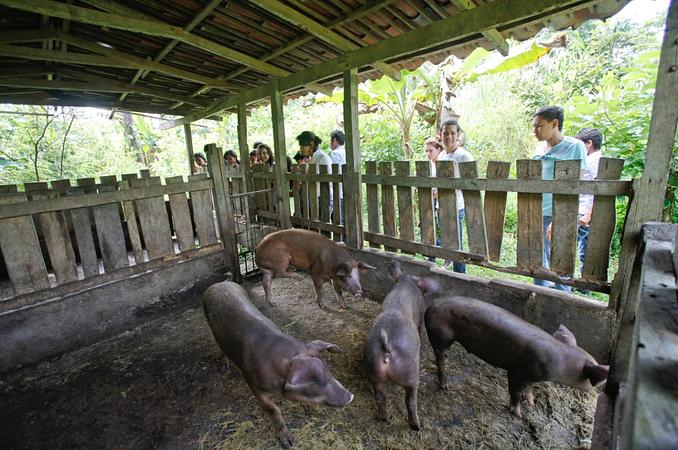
(548,127)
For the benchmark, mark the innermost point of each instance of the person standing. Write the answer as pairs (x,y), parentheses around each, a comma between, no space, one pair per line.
(338,156)
(449,133)
(309,146)
(547,125)
(592,139)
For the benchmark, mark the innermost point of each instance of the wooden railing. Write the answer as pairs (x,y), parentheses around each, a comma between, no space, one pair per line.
(88,229)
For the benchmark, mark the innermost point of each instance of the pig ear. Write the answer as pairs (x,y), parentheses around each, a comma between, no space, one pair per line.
(343,270)
(320,346)
(363,266)
(595,372)
(395,270)
(565,336)
(428,285)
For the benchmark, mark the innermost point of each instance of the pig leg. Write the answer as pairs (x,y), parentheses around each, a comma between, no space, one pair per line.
(266,282)
(318,285)
(340,297)
(283,434)
(411,403)
(517,382)
(380,397)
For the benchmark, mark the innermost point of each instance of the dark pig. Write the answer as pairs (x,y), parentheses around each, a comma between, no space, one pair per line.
(307,250)
(270,361)
(392,347)
(526,352)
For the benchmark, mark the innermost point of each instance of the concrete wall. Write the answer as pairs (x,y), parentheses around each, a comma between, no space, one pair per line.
(54,326)
(591,322)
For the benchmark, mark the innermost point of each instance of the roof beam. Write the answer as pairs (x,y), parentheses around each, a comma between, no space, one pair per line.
(447,32)
(143,26)
(101,85)
(19,36)
(314,28)
(492,34)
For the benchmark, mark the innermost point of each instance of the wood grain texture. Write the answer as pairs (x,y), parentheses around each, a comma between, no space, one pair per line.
(474,215)
(564,225)
(530,219)
(388,212)
(426,210)
(495,209)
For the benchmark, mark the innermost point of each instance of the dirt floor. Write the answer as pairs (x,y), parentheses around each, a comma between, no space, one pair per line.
(165,385)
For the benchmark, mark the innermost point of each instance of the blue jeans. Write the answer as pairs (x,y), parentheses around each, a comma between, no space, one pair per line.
(582,241)
(457,266)
(546,257)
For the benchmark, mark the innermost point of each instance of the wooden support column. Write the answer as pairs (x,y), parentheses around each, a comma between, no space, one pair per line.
(646,204)
(244,150)
(352,178)
(189,146)
(224,209)
(280,167)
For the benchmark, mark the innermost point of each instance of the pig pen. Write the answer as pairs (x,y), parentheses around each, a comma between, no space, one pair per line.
(164,384)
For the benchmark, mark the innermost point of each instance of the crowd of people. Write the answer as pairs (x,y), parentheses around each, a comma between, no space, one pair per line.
(449,145)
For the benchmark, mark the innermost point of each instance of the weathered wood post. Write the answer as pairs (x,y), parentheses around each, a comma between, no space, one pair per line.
(224,210)
(280,167)
(352,178)
(189,146)
(245,158)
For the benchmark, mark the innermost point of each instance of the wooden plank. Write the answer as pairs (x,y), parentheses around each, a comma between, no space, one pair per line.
(475,219)
(245,159)
(603,224)
(372,192)
(426,210)
(405,205)
(280,168)
(144,173)
(88,185)
(388,213)
(181,216)
(21,250)
(296,195)
(313,194)
(154,221)
(57,240)
(353,205)
(109,233)
(260,199)
(131,221)
(495,209)
(84,237)
(336,199)
(8,188)
(324,198)
(530,219)
(564,228)
(203,216)
(447,208)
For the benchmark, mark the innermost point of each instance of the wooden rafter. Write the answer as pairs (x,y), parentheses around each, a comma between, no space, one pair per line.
(320,31)
(20,36)
(492,34)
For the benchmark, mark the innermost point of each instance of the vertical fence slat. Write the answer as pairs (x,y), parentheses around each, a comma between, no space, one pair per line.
(388,204)
(181,216)
(603,223)
(473,204)
(447,208)
(57,241)
(296,191)
(260,199)
(202,213)
(154,221)
(313,193)
(109,233)
(82,227)
(8,188)
(305,202)
(426,219)
(130,214)
(564,228)
(495,209)
(21,250)
(405,205)
(530,226)
(337,194)
(324,200)
(372,193)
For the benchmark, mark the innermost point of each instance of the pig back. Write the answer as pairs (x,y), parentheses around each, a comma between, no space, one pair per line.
(490,332)
(237,325)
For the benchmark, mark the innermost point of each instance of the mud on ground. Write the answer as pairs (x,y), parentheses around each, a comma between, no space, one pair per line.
(165,385)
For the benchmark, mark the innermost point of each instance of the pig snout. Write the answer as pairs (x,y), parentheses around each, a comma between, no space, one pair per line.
(338,395)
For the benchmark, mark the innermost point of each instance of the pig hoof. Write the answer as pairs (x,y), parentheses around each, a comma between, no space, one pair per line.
(285,440)
(415,426)
(517,411)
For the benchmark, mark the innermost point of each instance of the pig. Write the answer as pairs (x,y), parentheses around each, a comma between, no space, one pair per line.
(270,361)
(310,251)
(526,352)
(391,350)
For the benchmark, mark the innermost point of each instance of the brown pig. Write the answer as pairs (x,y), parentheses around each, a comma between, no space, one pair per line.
(307,250)
(526,352)
(392,347)
(270,361)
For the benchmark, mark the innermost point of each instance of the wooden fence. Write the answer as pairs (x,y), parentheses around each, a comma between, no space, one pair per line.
(57,233)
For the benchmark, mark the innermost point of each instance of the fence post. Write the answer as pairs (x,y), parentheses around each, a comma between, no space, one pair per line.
(352,178)
(224,210)
(280,168)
